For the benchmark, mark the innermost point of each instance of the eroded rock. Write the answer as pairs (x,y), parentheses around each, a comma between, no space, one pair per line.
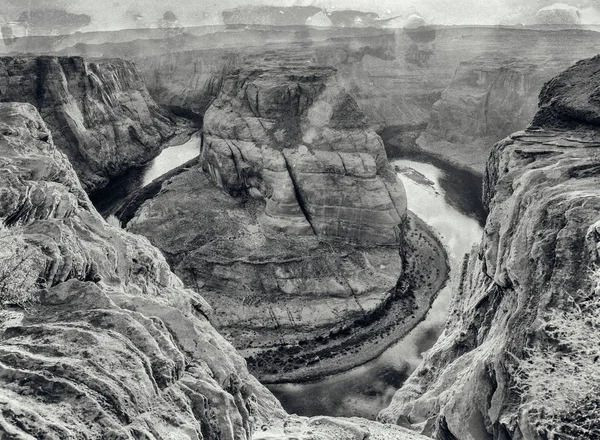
(112,343)
(539,247)
(101,114)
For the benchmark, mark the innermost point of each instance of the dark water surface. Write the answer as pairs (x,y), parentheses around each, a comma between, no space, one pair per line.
(438,195)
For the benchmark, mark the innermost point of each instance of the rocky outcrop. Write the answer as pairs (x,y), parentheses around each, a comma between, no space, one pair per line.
(111,343)
(302,216)
(106,342)
(293,137)
(502,368)
(101,114)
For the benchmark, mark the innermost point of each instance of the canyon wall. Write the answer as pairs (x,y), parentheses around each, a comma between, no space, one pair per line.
(301,232)
(98,338)
(103,118)
(517,359)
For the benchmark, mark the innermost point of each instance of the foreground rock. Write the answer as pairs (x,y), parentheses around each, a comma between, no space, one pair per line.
(294,230)
(101,114)
(110,344)
(518,356)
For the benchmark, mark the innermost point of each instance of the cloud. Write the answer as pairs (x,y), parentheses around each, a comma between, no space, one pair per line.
(116,14)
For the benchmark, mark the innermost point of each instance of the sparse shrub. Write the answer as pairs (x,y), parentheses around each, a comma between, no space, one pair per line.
(113,220)
(559,379)
(18,270)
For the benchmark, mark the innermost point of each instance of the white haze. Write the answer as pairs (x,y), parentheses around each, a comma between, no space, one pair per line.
(119,14)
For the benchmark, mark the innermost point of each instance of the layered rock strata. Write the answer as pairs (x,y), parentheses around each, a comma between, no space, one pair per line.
(111,343)
(510,364)
(101,113)
(294,229)
(98,338)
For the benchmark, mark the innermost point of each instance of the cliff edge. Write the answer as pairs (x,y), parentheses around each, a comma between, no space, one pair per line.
(517,359)
(100,112)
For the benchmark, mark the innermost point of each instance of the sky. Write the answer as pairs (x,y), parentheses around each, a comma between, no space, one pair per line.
(118,14)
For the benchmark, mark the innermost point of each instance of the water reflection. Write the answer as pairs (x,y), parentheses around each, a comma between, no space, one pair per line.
(365,390)
(108,199)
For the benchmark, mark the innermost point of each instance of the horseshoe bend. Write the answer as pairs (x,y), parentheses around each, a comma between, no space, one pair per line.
(312,258)
(300,223)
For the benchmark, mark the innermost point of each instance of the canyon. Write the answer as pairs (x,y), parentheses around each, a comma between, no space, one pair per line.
(423,86)
(529,288)
(289,236)
(301,247)
(101,112)
(107,342)
(447,91)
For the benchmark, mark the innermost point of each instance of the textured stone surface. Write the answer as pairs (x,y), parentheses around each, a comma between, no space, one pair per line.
(114,344)
(291,135)
(101,114)
(540,243)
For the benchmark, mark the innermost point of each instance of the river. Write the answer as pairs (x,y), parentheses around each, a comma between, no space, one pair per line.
(108,199)
(445,197)
(448,200)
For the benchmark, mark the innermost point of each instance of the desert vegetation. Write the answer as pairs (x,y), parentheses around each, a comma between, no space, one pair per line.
(18,270)
(560,379)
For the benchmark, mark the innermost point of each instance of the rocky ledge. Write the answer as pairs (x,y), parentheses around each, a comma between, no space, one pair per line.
(109,342)
(101,113)
(295,228)
(517,359)
(98,338)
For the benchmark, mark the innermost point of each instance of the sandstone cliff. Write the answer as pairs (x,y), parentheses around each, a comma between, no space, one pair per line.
(294,229)
(517,359)
(102,116)
(112,343)
(489,97)
(98,338)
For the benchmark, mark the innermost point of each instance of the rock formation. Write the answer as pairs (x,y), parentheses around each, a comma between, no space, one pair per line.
(112,344)
(517,357)
(489,97)
(106,342)
(294,229)
(103,118)
(294,138)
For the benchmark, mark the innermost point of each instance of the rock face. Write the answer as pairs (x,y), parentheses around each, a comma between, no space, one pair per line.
(110,343)
(531,270)
(489,97)
(294,138)
(102,116)
(113,344)
(301,214)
